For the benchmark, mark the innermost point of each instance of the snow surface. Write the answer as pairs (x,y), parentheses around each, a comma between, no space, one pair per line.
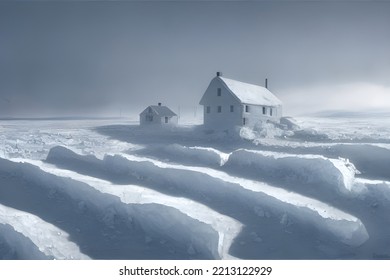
(251,94)
(108,189)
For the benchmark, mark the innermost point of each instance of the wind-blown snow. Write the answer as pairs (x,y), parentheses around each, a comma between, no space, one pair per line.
(251,94)
(192,179)
(134,194)
(314,170)
(106,189)
(50,240)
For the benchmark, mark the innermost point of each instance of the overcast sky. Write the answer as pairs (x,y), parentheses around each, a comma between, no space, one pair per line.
(97,57)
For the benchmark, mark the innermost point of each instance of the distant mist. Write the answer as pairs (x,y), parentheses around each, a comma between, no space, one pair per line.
(116,57)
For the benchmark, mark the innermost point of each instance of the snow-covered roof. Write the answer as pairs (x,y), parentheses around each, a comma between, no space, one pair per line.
(251,94)
(162,111)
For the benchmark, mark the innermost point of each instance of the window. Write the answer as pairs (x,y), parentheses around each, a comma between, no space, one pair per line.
(264,110)
(149,118)
(219,92)
(150,110)
(244,121)
(270,111)
(231,108)
(219,109)
(208,109)
(166,119)
(246,108)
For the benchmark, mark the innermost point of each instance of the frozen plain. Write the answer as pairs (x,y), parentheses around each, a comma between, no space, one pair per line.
(107,189)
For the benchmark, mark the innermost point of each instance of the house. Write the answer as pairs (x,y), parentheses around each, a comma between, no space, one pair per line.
(229,103)
(158,115)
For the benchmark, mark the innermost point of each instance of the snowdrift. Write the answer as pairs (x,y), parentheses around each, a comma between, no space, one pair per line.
(306,173)
(252,203)
(16,246)
(48,239)
(202,156)
(100,224)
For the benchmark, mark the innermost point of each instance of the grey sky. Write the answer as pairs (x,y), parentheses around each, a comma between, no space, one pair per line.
(100,57)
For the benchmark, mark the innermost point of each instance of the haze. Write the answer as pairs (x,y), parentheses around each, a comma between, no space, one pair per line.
(115,58)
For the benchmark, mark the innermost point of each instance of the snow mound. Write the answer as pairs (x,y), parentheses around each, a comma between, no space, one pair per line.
(135,194)
(236,197)
(101,224)
(50,240)
(314,170)
(16,246)
(205,156)
(189,181)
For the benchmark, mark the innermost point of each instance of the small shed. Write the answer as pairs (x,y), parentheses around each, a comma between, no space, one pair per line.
(158,115)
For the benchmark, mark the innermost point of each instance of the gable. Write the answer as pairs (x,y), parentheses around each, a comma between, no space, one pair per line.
(211,94)
(251,94)
(243,92)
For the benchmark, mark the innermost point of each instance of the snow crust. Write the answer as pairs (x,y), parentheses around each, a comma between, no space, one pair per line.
(50,240)
(308,189)
(169,232)
(314,170)
(199,182)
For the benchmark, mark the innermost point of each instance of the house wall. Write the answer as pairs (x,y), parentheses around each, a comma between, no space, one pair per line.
(157,120)
(255,114)
(144,115)
(225,118)
(171,121)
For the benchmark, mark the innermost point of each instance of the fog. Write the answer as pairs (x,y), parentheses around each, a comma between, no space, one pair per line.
(115,58)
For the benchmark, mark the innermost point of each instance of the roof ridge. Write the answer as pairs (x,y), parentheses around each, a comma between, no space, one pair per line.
(250,93)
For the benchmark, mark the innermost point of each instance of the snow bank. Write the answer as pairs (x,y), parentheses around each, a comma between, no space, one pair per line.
(50,240)
(311,171)
(204,156)
(236,197)
(226,227)
(158,221)
(202,182)
(16,246)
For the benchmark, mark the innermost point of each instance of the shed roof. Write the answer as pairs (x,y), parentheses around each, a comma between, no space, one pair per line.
(162,111)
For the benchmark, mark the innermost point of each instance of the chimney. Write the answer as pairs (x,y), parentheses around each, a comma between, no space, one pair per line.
(219,74)
(159,103)
(266,83)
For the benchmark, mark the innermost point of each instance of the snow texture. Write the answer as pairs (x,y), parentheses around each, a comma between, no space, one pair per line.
(310,188)
(251,94)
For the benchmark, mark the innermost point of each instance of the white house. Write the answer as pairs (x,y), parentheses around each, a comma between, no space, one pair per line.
(158,115)
(228,103)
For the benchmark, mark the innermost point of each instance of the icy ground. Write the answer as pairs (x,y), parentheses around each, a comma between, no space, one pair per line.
(107,189)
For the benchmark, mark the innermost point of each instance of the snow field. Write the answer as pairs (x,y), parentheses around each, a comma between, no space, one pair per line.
(226,227)
(311,171)
(213,188)
(204,156)
(128,193)
(101,224)
(50,240)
